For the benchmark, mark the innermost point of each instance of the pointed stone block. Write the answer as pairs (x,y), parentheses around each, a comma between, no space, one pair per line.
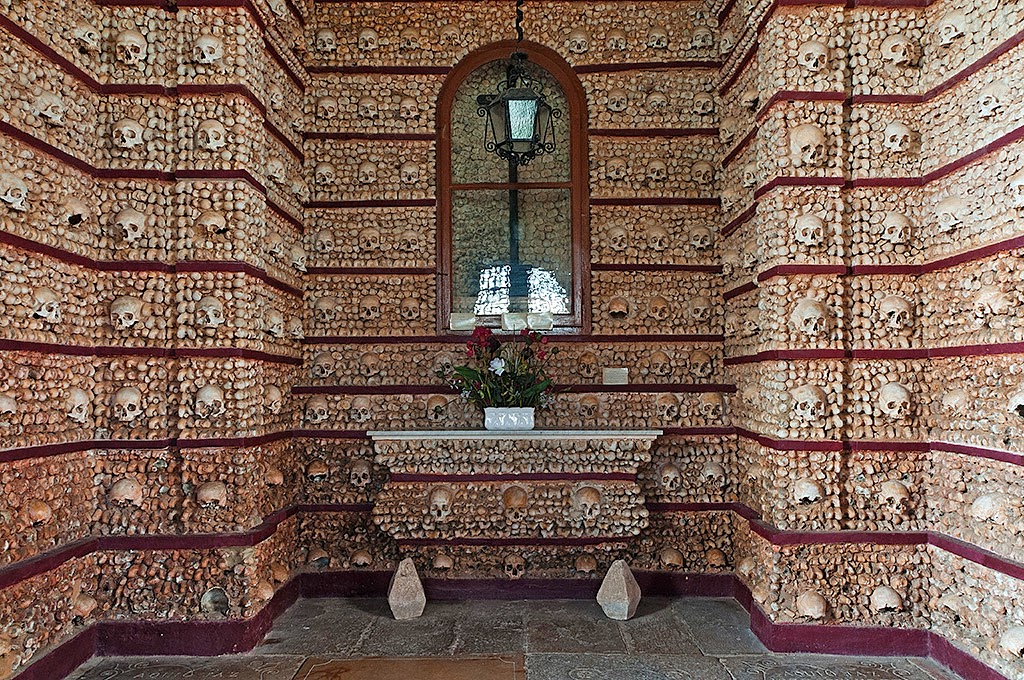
(405,594)
(620,593)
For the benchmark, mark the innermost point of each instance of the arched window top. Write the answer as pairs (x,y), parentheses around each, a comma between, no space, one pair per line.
(512,240)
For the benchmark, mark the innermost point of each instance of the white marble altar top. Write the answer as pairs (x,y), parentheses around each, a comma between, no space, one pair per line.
(534,435)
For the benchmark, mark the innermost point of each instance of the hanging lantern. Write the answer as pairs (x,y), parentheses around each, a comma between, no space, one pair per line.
(519,123)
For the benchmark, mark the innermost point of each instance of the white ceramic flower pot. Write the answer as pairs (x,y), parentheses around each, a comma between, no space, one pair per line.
(508,418)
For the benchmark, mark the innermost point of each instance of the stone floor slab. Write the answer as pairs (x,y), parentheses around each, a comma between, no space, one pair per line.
(622,667)
(492,668)
(190,668)
(572,626)
(822,667)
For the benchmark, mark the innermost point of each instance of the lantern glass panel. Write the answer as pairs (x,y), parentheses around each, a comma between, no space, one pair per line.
(522,116)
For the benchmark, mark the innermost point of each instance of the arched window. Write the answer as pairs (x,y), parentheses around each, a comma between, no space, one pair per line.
(512,239)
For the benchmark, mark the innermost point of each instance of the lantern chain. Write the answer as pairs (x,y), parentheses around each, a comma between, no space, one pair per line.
(519,20)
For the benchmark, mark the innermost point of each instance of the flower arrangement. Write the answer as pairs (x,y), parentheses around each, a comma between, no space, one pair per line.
(509,374)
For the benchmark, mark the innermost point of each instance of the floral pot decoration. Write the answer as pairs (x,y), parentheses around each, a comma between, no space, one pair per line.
(508,380)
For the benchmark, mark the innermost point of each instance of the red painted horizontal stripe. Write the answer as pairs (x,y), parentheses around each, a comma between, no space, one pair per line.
(656,200)
(737,221)
(321,69)
(801,270)
(532,477)
(738,148)
(739,290)
(979,452)
(878,353)
(508,542)
(646,66)
(461,339)
(653,132)
(374,203)
(373,136)
(786,355)
(786,181)
(696,268)
(371,271)
(791,444)
(698,431)
(798,96)
(114,351)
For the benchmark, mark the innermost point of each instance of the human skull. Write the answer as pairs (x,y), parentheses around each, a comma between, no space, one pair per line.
(810,318)
(272,399)
(586,501)
(809,230)
(657,238)
(125,312)
(207,50)
(703,104)
(127,134)
(13,192)
(895,496)
(276,97)
(317,471)
(994,508)
(369,365)
(897,137)
(323,241)
(671,558)
(671,477)
(368,40)
(813,56)
(46,305)
(811,605)
(727,42)
(702,39)
(586,564)
(212,223)
(702,173)
(87,37)
(700,309)
(515,501)
(1012,641)
(809,404)
(993,100)
(275,171)
(896,228)
(50,107)
(1015,189)
(368,239)
(295,328)
(408,109)
(275,244)
(806,491)
(211,135)
(588,365)
(950,212)
(8,406)
(701,238)
(589,408)
(298,258)
(885,599)
(750,98)
(130,225)
(440,502)
(367,173)
(713,474)
(990,301)
(749,176)
(209,312)
(711,405)
(323,365)
(894,401)
(359,473)
(409,39)
(327,108)
(368,108)
(957,402)
(661,364)
(728,128)
(409,173)
(616,169)
(898,50)
(666,406)
(450,35)
(127,404)
(326,41)
(210,402)
(657,37)
(618,100)
(212,495)
(316,410)
(325,309)
(369,308)
(618,308)
(952,27)
(130,48)
(78,405)
(514,567)
(656,102)
(409,309)
(657,172)
(360,409)
(324,174)
(807,146)
(436,408)
(897,313)
(38,512)
(659,308)
(579,41)
(124,492)
(616,40)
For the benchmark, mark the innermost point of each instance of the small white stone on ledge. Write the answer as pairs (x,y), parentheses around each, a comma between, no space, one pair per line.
(619,595)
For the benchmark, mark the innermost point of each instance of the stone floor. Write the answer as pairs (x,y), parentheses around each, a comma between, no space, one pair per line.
(686,639)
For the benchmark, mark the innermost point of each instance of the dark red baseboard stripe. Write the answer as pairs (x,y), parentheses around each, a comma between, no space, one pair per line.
(622,267)
(532,477)
(878,353)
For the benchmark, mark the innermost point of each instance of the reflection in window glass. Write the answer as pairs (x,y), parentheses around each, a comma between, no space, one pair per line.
(545,294)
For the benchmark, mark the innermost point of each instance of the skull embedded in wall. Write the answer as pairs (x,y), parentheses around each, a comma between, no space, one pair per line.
(8,408)
(130,48)
(703,39)
(701,309)
(368,239)
(325,41)
(897,137)
(659,308)
(359,473)
(316,410)
(586,501)
(728,128)
(618,308)
(514,567)
(409,173)
(616,169)
(409,309)
(440,502)
(671,477)
(409,109)
(449,35)
(323,241)
(436,408)
(13,192)
(38,512)
(368,40)
(589,409)
(1015,190)
(713,474)
(212,495)
(125,312)
(360,409)
(275,244)
(130,224)
(125,492)
(711,405)
(579,41)
(952,27)
(749,175)
(809,404)
(810,318)
(950,212)
(896,228)
(1016,403)
(1012,641)
(87,37)
(898,50)
(661,364)
(994,508)
(369,365)
(656,102)
(727,42)
(894,496)
(323,365)
(75,211)
(616,40)
(957,402)
(586,564)
(368,107)
(325,310)
(671,558)
(212,223)
(127,404)
(657,238)
(317,471)
(703,104)
(324,174)
(809,230)
(276,97)
(894,401)
(666,406)
(409,39)
(211,135)
(298,258)
(209,312)
(77,405)
(884,599)
(515,502)
(807,491)
(807,146)
(701,238)
(207,50)
(295,328)
(657,37)
(210,402)
(369,308)
(702,173)
(750,98)
(127,134)
(367,173)
(272,399)
(657,172)
(276,172)
(618,100)
(46,305)
(994,99)
(897,313)
(811,605)
(50,107)
(327,108)
(989,302)
(813,56)
(702,366)
(588,365)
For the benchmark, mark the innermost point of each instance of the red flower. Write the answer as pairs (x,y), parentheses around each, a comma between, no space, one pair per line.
(541,354)
(543,339)
(524,332)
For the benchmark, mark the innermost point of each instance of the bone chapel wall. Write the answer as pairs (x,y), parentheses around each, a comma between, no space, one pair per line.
(812,214)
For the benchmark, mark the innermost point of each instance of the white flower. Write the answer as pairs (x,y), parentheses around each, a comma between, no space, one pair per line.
(497,366)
